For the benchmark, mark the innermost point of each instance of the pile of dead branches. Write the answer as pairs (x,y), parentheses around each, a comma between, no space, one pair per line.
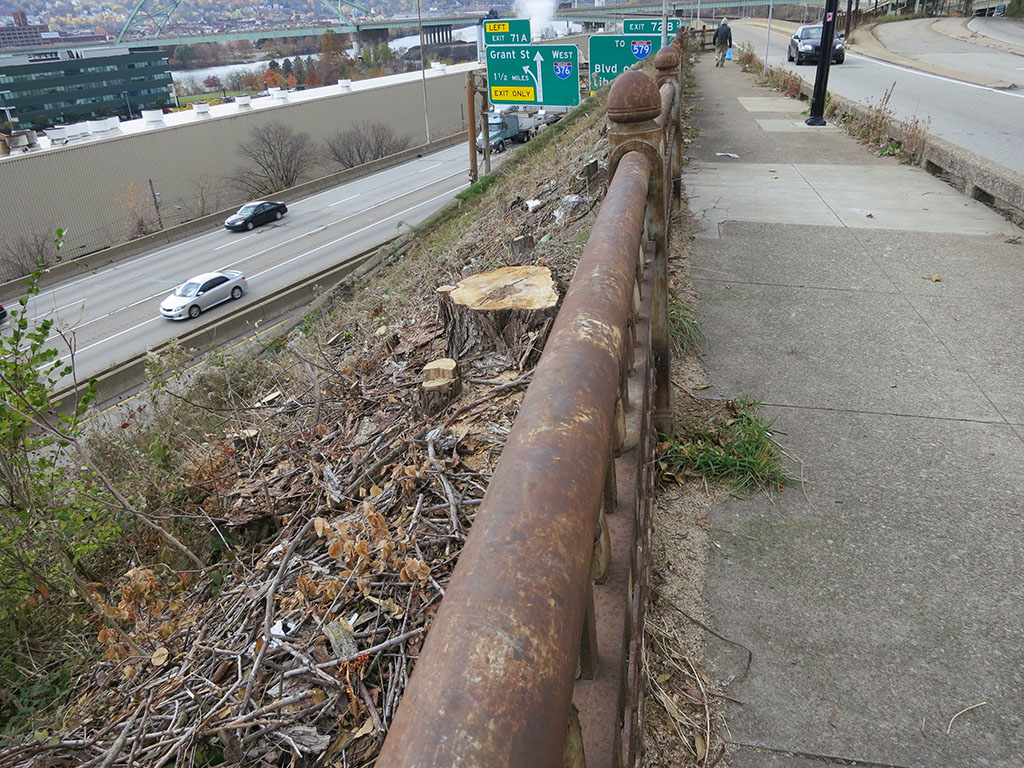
(296,649)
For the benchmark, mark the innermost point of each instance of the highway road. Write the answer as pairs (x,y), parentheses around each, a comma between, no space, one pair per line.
(984,120)
(1000,28)
(114,313)
(917,39)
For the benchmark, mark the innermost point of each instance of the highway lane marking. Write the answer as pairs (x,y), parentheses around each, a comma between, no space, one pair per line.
(341,220)
(356,232)
(109,314)
(114,268)
(430,168)
(374,175)
(344,200)
(911,71)
(284,263)
(81,301)
(185,243)
(110,338)
(236,241)
(346,218)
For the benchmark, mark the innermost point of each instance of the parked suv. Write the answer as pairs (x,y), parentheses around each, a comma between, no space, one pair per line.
(804,45)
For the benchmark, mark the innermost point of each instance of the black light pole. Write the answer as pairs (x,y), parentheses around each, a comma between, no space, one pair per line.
(828,32)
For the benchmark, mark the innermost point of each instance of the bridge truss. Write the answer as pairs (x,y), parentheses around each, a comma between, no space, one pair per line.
(156,13)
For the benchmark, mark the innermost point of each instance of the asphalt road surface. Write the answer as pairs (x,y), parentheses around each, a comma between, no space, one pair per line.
(1002,28)
(114,313)
(984,120)
(916,39)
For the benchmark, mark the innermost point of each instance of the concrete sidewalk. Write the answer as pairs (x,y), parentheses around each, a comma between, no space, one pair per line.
(877,314)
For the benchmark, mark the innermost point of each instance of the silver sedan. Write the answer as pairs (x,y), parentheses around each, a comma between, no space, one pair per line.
(202,292)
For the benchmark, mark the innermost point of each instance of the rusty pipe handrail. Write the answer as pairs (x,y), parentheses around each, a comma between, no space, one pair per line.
(493,685)
(668,97)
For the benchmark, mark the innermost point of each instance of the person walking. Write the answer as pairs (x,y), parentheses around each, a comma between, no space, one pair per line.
(722,41)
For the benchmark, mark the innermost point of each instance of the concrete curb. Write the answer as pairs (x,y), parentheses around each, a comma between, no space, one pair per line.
(107,256)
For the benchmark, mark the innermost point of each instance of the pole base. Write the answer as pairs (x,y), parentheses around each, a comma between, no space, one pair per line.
(815,121)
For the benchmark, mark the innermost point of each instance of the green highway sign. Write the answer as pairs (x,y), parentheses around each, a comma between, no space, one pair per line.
(649,26)
(611,55)
(506,32)
(534,74)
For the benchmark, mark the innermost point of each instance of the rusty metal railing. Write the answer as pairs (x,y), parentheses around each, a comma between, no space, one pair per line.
(495,682)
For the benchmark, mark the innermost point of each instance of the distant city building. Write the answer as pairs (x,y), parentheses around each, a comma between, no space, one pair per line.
(46,87)
(22,34)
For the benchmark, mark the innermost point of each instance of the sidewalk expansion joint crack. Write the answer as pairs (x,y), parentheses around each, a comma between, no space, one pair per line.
(843,760)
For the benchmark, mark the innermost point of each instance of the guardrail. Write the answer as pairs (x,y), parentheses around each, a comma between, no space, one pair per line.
(537,592)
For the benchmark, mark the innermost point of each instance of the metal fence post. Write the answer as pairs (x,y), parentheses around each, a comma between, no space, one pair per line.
(633,104)
(666,61)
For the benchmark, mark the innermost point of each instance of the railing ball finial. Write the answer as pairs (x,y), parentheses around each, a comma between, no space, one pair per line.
(666,61)
(633,98)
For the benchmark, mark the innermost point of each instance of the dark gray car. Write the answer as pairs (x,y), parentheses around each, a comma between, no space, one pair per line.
(806,42)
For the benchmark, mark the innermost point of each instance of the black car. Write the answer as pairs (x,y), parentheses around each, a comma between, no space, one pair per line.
(804,45)
(3,314)
(253,214)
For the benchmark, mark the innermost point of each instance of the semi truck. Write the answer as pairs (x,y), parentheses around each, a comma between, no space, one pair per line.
(515,125)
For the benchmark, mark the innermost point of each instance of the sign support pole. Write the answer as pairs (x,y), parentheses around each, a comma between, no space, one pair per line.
(828,31)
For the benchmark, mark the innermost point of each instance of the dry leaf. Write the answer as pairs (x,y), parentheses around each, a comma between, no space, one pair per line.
(833,718)
(365,730)
(871,215)
(336,549)
(702,386)
(700,745)
(321,525)
(663,677)
(159,657)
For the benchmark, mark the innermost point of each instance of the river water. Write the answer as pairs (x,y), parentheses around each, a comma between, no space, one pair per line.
(466,34)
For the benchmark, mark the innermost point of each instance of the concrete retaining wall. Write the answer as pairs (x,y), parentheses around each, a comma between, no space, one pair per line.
(72,267)
(93,190)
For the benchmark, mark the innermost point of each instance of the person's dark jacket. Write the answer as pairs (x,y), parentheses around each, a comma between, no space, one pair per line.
(723,35)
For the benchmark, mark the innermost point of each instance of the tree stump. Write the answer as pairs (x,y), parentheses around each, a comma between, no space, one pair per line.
(522,246)
(441,384)
(508,311)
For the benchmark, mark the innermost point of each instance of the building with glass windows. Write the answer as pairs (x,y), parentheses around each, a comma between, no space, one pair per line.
(42,88)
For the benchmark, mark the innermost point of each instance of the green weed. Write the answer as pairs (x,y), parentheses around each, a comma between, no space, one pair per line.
(683,327)
(737,449)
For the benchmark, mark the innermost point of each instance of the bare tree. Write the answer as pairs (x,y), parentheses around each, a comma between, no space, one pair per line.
(364,142)
(278,156)
(137,211)
(24,253)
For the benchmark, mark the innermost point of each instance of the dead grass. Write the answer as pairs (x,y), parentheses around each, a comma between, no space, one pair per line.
(878,128)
